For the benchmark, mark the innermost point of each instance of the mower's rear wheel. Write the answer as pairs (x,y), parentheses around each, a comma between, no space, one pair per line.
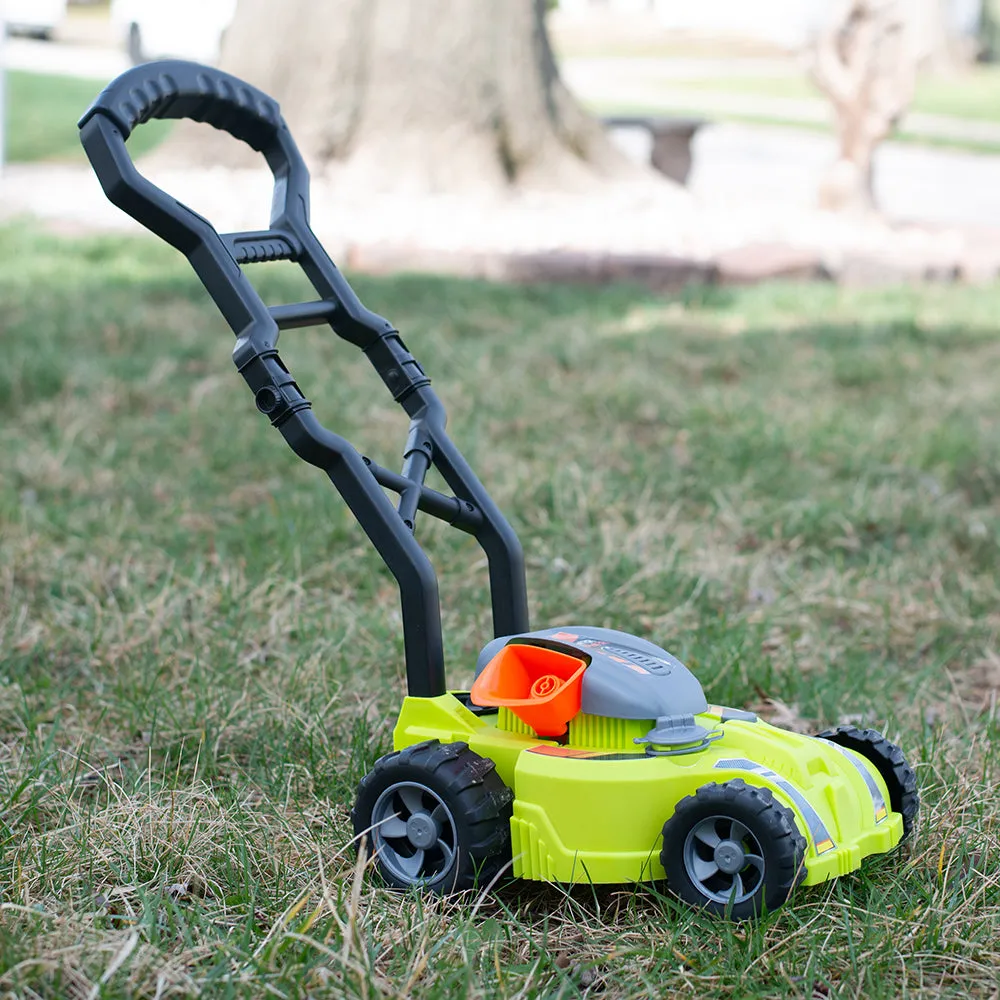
(436,816)
(731,848)
(889,761)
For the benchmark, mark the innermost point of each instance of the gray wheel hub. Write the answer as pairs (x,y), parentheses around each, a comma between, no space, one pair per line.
(414,833)
(422,831)
(724,860)
(730,857)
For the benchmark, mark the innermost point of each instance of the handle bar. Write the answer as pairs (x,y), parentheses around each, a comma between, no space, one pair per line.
(178,89)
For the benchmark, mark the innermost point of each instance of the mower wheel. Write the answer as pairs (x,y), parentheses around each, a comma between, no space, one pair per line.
(436,816)
(889,761)
(731,848)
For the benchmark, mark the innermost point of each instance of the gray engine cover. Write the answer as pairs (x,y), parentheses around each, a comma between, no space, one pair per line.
(628,677)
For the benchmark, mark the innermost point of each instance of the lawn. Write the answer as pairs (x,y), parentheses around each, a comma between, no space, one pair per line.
(794,488)
(972,94)
(972,97)
(43,112)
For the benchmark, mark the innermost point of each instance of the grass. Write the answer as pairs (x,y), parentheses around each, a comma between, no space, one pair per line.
(795,488)
(42,114)
(971,94)
(693,109)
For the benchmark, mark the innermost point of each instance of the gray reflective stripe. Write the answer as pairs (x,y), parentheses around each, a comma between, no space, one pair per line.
(822,840)
(731,714)
(878,801)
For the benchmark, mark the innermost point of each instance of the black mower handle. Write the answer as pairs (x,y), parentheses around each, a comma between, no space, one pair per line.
(178,89)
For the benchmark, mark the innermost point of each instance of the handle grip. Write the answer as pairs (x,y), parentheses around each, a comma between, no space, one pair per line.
(178,89)
(173,88)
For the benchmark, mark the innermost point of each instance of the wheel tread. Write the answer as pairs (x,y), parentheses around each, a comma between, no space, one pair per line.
(483,802)
(777,823)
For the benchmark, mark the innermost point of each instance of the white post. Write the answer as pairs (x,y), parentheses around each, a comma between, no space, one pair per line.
(3,82)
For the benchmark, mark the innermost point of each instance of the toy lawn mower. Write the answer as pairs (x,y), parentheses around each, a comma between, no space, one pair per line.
(580,754)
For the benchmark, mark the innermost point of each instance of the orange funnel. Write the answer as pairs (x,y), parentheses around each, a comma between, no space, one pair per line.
(541,686)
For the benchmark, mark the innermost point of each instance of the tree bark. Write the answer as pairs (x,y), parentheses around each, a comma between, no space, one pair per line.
(939,48)
(415,95)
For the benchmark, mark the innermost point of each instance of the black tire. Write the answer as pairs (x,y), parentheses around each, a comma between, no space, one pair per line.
(732,849)
(889,761)
(436,816)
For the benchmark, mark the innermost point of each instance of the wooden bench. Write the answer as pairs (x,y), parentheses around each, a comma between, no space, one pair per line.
(672,138)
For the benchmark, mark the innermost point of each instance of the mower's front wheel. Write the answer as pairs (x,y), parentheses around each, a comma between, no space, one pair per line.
(733,849)
(436,816)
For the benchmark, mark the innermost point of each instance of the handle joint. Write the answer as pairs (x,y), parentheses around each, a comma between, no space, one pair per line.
(276,393)
(398,369)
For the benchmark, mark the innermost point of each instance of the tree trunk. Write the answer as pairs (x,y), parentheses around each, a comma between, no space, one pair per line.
(866,62)
(940,48)
(415,95)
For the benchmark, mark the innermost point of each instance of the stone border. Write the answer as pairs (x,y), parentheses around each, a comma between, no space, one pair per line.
(745,265)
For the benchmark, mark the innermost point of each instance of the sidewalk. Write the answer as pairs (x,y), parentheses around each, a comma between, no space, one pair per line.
(92,62)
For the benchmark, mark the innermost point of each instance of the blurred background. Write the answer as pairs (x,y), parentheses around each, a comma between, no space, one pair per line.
(877,113)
